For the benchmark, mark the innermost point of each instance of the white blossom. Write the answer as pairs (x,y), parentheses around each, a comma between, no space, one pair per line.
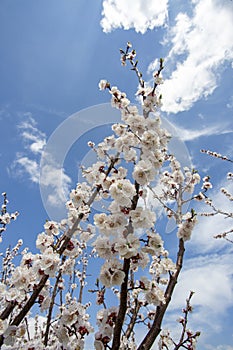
(111,273)
(142,218)
(155,295)
(154,245)
(186,227)
(49,262)
(122,191)
(103,84)
(51,228)
(110,224)
(3,326)
(44,241)
(127,247)
(103,247)
(144,172)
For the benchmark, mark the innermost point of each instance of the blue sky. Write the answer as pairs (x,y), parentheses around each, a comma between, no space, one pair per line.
(52,56)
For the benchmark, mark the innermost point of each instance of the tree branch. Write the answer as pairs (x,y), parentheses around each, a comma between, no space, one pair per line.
(160,311)
(122,307)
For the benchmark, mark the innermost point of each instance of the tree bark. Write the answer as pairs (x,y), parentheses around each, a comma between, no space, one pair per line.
(153,333)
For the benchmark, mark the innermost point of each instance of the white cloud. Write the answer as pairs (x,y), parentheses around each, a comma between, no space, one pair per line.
(210,277)
(24,165)
(139,14)
(51,176)
(208,227)
(189,135)
(230,103)
(200,44)
(55,183)
(33,138)
(219,347)
(37,144)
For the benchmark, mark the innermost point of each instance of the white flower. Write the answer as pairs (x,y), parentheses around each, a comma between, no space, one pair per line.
(127,344)
(88,233)
(155,295)
(73,248)
(167,265)
(103,247)
(137,124)
(70,315)
(9,335)
(196,178)
(45,303)
(130,155)
(98,345)
(62,334)
(144,172)
(149,102)
(5,218)
(76,197)
(126,142)
(150,140)
(199,197)
(110,224)
(178,176)
(157,78)
(105,321)
(127,247)
(95,174)
(44,241)
(13,294)
(21,278)
(142,218)
(207,185)
(119,129)
(99,220)
(3,326)
(51,228)
(155,244)
(2,289)
(119,99)
(122,191)
(103,84)
(68,266)
(49,262)
(111,273)
(186,227)
(165,340)
(140,260)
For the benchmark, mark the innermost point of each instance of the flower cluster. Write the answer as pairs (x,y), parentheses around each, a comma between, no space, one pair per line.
(226,191)
(129,163)
(187,225)
(5,217)
(106,319)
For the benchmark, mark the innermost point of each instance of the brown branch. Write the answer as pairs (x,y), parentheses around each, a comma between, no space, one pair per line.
(185,322)
(124,286)
(30,301)
(160,311)
(48,322)
(122,307)
(10,307)
(133,319)
(185,341)
(82,280)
